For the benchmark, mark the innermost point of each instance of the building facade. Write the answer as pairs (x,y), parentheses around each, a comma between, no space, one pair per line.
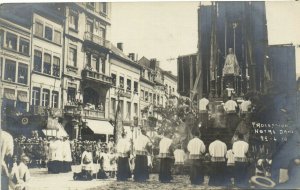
(124,94)
(15,59)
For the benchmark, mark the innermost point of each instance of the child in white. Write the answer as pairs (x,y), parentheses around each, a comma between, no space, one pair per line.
(179,156)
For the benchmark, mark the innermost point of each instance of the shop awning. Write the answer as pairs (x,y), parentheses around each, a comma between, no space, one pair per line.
(100,127)
(59,132)
(9,94)
(22,96)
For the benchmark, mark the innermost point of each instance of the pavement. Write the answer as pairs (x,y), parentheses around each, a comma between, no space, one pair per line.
(41,180)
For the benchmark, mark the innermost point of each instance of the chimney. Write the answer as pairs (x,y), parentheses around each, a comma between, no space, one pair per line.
(131,56)
(120,46)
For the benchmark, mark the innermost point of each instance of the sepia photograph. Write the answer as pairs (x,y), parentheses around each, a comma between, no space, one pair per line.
(150,95)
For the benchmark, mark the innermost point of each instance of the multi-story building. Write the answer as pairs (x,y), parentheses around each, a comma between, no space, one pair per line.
(47,59)
(15,42)
(86,72)
(125,73)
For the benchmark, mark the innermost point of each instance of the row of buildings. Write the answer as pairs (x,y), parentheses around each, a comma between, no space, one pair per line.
(57,62)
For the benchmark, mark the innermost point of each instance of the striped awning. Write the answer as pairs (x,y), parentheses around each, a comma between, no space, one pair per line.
(22,96)
(9,94)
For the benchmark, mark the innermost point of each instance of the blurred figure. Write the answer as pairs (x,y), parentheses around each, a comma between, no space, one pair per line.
(24,174)
(203,109)
(7,149)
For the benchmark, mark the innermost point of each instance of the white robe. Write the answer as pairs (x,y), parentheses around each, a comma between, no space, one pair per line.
(66,147)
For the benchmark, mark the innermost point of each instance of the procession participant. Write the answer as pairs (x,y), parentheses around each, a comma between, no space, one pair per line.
(230,167)
(217,151)
(165,158)
(196,148)
(67,157)
(106,161)
(14,174)
(142,143)
(7,149)
(52,150)
(203,109)
(179,156)
(240,149)
(230,108)
(245,106)
(87,165)
(113,163)
(24,174)
(58,156)
(110,144)
(123,150)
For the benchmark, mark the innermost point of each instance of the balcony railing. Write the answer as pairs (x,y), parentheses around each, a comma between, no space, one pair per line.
(98,114)
(43,110)
(93,75)
(126,93)
(97,40)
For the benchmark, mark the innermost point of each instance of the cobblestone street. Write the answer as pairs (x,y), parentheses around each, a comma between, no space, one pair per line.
(40,179)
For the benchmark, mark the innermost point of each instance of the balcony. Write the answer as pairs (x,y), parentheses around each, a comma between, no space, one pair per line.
(94,114)
(90,37)
(95,76)
(126,94)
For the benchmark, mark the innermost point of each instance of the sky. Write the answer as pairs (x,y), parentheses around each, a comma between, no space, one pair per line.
(166,30)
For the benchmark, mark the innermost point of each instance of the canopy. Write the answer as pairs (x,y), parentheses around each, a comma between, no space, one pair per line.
(100,127)
(58,132)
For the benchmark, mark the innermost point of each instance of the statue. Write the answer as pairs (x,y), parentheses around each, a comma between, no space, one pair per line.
(231,66)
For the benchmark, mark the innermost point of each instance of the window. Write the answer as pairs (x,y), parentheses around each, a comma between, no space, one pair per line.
(113,105)
(173,90)
(54,99)
(158,99)
(57,37)
(22,73)
(39,29)
(37,65)
(90,5)
(142,94)
(1,67)
(71,94)
(150,97)
(45,97)
(136,87)
(56,66)
(102,65)
(114,79)
(146,96)
(73,21)
(121,82)
(9,100)
(104,7)
(11,41)
(1,38)
(10,70)
(128,116)
(48,33)
(154,99)
(170,91)
(36,95)
(135,107)
(121,108)
(47,64)
(129,85)
(90,26)
(73,56)
(24,46)
(94,63)
(22,101)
